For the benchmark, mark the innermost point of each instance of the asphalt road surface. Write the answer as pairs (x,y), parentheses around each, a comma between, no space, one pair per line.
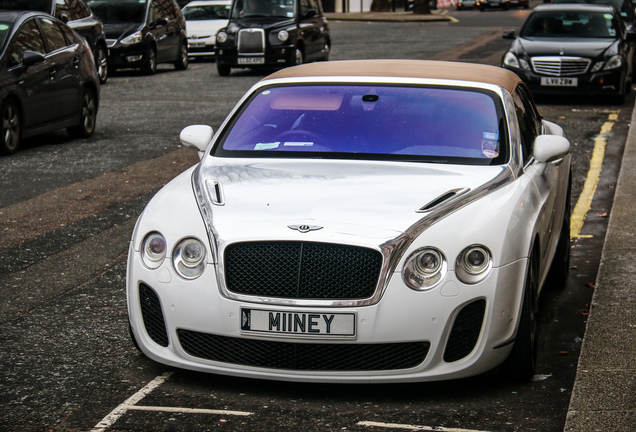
(67,209)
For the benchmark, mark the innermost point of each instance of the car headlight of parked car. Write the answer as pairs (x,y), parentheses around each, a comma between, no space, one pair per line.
(424,269)
(188,258)
(283,35)
(513,61)
(134,38)
(613,63)
(153,250)
(473,264)
(221,37)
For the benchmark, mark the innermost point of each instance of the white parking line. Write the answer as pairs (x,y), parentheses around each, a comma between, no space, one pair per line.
(412,427)
(188,410)
(115,414)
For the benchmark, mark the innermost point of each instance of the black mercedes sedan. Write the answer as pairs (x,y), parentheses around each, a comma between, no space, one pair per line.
(48,79)
(573,49)
(272,33)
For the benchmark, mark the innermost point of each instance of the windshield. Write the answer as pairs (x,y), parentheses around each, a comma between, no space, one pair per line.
(206,12)
(551,25)
(119,12)
(264,8)
(442,125)
(621,5)
(5,31)
(34,5)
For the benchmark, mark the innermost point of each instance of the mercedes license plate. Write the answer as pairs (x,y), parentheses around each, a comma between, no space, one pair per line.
(299,324)
(251,60)
(559,82)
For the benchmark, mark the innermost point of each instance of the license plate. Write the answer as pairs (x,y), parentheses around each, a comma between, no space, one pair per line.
(299,324)
(560,82)
(251,60)
(196,44)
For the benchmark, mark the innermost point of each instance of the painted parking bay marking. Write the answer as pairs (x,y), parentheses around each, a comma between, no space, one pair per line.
(130,404)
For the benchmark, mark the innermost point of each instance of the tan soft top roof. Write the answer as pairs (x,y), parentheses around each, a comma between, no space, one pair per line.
(405,69)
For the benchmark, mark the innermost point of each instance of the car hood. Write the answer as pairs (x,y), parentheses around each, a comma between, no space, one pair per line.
(118,31)
(261,199)
(204,28)
(591,48)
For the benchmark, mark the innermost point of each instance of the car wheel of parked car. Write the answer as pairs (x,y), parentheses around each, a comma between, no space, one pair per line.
(88,116)
(327,51)
(150,65)
(298,57)
(560,268)
(10,127)
(182,61)
(223,70)
(520,364)
(101,62)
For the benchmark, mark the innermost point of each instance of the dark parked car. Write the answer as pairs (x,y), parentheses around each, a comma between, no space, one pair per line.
(142,34)
(48,79)
(272,33)
(79,17)
(573,49)
(503,4)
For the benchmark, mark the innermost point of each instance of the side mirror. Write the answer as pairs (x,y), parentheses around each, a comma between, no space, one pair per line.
(29,58)
(548,148)
(197,137)
(161,22)
(509,34)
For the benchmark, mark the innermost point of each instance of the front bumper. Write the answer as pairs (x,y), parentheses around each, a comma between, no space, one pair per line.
(201,47)
(127,56)
(278,56)
(452,331)
(599,83)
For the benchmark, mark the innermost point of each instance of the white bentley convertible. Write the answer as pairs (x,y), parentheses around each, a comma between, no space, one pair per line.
(358,221)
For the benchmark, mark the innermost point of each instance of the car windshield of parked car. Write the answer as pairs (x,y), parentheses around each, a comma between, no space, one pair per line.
(206,12)
(264,8)
(33,5)
(575,25)
(621,5)
(119,12)
(377,122)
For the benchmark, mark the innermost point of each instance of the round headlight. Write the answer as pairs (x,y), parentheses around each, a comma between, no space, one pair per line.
(283,35)
(221,37)
(153,250)
(424,269)
(188,258)
(474,264)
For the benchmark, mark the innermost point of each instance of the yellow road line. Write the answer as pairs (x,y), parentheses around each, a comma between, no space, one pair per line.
(584,203)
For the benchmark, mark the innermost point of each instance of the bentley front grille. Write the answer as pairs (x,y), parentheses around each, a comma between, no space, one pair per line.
(560,66)
(302,270)
(303,356)
(465,331)
(251,42)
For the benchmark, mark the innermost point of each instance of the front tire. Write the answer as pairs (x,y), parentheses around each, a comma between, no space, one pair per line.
(521,363)
(11,128)
(88,116)
(299,57)
(150,63)
(182,61)
(101,63)
(223,70)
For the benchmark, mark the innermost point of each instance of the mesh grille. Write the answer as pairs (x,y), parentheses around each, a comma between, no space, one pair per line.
(303,356)
(302,270)
(465,332)
(560,66)
(251,41)
(152,315)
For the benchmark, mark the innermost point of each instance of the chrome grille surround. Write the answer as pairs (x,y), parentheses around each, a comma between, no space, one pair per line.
(251,41)
(560,66)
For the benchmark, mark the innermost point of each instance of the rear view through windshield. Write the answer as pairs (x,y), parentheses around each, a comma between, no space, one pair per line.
(444,125)
(119,12)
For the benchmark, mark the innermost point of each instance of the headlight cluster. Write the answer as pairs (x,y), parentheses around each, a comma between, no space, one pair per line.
(426,267)
(221,37)
(513,61)
(613,62)
(188,256)
(134,38)
(283,35)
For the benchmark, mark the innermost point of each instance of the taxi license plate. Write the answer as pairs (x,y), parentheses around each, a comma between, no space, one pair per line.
(559,82)
(299,324)
(196,44)
(251,60)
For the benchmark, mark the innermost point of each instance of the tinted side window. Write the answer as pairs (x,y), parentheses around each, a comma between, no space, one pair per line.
(166,9)
(529,122)
(53,35)
(29,38)
(74,9)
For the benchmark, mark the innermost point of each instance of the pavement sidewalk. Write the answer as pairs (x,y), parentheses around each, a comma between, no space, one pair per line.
(398,16)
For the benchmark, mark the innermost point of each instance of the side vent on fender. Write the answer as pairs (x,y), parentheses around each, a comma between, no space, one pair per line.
(442,199)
